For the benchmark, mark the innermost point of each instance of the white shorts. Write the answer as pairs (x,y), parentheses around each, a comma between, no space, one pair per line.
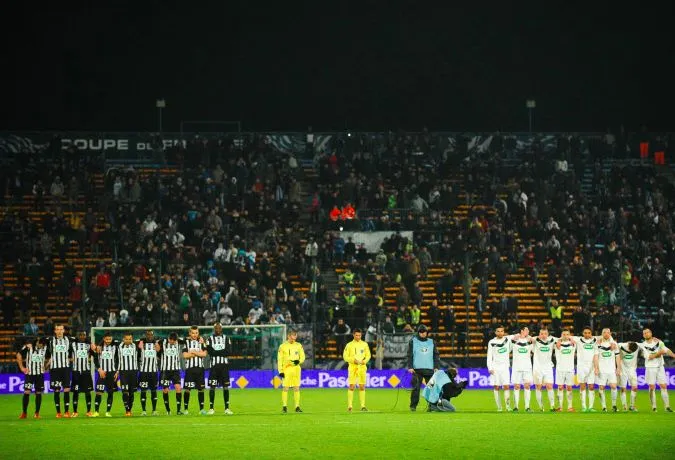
(586,374)
(656,375)
(606,378)
(542,377)
(628,378)
(500,378)
(521,377)
(564,377)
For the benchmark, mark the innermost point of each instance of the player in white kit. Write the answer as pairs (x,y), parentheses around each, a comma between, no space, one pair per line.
(543,367)
(521,368)
(565,349)
(655,372)
(586,347)
(607,367)
(629,357)
(498,363)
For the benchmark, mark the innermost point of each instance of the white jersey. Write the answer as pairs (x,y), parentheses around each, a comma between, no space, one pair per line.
(606,358)
(564,356)
(543,351)
(628,359)
(585,351)
(522,355)
(498,353)
(649,347)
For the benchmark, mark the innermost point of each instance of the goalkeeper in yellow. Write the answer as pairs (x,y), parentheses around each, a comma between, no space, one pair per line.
(357,354)
(289,358)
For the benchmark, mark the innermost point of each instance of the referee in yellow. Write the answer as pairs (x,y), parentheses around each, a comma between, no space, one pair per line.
(289,358)
(357,355)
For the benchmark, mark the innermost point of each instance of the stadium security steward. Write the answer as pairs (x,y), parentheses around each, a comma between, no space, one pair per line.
(423,361)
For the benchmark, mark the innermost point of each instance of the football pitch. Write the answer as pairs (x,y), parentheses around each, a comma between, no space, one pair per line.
(325,429)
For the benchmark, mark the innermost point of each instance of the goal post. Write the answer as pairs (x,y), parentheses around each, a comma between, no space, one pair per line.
(254,347)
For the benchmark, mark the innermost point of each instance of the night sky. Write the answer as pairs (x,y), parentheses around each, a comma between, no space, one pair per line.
(286,67)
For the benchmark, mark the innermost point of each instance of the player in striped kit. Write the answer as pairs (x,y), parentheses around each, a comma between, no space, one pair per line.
(82,354)
(586,347)
(148,349)
(218,347)
(59,375)
(194,354)
(170,351)
(521,373)
(543,367)
(565,349)
(607,367)
(128,355)
(33,361)
(629,357)
(106,361)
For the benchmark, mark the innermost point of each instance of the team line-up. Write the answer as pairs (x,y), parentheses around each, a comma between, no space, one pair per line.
(137,364)
(600,361)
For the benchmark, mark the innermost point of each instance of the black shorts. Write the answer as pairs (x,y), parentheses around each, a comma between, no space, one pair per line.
(194,378)
(59,379)
(147,381)
(169,378)
(128,380)
(106,383)
(219,376)
(82,381)
(34,382)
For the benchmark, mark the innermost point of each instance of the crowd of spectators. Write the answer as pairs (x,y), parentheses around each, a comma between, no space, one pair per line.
(225,234)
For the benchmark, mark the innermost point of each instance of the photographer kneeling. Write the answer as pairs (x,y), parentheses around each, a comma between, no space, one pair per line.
(441,388)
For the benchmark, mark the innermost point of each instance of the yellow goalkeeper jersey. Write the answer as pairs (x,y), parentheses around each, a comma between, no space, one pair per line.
(289,352)
(356,350)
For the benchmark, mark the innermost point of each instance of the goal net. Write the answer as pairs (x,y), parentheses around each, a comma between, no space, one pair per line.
(253,347)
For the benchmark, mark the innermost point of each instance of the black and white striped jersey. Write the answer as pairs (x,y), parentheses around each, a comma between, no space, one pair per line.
(192,346)
(128,357)
(171,355)
(60,351)
(34,359)
(107,359)
(218,347)
(81,353)
(148,357)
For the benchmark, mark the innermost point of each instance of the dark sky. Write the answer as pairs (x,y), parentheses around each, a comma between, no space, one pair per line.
(282,68)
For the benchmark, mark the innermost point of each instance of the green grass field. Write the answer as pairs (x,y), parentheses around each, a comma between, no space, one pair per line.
(326,430)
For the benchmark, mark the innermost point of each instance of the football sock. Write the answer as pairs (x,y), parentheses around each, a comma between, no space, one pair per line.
(38,402)
(57,401)
(613,392)
(143,400)
(561,397)
(497,401)
(537,394)
(583,398)
(284,398)
(624,400)
(186,400)
(167,406)
(226,397)
(664,397)
(179,400)
(76,400)
(125,400)
(516,397)
(87,398)
(212,396)
(633,395)
(24,404)
(296,398)
(603,401)
(652,398)
(528,395)
(109,402)
(97,402)
(362,397)
(551,397)
(66,400)
(507,398)
(153,397)
(200,398)
(131,400)
(569,398)
(591,398)
(350,398)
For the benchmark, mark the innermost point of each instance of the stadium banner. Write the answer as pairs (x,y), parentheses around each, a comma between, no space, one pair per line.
(478,378)
(306,339)
(372,240)
(396,345)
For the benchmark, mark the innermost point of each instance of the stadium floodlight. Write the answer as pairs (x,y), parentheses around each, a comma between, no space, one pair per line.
(160,104)
(530,104)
